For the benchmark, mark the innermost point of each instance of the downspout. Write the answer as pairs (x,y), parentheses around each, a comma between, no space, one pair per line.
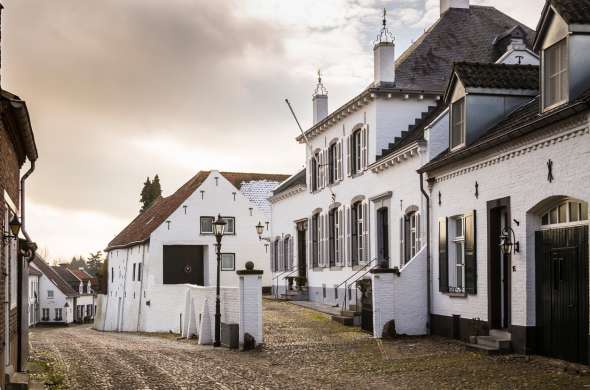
(428,258)
(141,286)
(22,204)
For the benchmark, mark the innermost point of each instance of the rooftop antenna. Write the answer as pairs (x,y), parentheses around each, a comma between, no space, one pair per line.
(385,36)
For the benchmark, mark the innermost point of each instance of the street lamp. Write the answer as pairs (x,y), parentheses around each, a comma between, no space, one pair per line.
(218,230)
(259,231)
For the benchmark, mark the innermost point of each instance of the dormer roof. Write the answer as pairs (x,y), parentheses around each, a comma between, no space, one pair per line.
(493,77)
(573,12)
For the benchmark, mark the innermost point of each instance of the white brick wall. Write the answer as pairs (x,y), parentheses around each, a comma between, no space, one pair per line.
(518,171)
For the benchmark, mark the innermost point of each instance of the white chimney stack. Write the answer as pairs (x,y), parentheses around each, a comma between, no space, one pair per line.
(445,5)
(384,55)
(320,101)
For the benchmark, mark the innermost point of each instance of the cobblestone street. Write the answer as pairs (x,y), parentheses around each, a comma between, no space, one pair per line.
(303,350)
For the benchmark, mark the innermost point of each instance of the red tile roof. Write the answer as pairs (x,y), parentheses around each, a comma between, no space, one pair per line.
(81,274)
(52,275)
(140,229)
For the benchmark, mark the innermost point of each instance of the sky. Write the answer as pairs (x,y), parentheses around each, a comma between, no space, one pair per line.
(119,90)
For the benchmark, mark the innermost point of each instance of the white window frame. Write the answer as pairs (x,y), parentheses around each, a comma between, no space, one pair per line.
(201,220)
(233,260)
(357,150)
(567,219)
(457,281)
(463,137)
(561,74)
(50,294)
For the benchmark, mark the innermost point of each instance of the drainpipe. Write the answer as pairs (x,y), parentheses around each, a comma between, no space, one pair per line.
(22,203)
(428,258)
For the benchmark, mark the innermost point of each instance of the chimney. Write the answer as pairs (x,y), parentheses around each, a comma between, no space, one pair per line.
(320,101)
(384,55)
(445,5)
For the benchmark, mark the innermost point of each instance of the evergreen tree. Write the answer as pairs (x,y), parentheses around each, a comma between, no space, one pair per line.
(77,263)
(94,263)
(102,277)
(150,192)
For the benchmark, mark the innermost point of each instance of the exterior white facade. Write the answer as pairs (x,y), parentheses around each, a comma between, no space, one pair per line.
(55,306)
(139,300)
(34,309)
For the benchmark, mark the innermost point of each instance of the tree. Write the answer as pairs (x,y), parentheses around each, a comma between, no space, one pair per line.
(102,277)
(94,263)
(150,192)
(77,263)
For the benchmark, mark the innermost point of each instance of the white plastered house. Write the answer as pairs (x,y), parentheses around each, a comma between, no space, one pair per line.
(358,203)
(171,245)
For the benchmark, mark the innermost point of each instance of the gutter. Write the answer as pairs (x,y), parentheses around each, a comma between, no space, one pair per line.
(428,256)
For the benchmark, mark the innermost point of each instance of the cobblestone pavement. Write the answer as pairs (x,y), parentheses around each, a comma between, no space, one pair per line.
(303,350)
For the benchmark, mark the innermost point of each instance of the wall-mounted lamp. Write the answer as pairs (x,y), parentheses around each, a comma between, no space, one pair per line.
(259,231)
(15,226)
(508,243)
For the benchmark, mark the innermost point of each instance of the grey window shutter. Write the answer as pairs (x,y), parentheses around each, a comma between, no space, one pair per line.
(348,255)
(402,254)
(470,254)
(340,238)
(310,243)
(272,257)
(365,147)
(339,161)
(443,256)
(365,231)
(348,156)
(310,174)
(418,232)
(291,253)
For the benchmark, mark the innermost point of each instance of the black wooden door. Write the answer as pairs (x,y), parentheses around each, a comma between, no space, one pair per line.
(562,292)
(365,286)
(183,264)
(301,253)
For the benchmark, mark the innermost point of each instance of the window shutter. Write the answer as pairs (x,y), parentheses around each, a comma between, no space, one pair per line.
(348,256)
(310,243)
(272,257)
(443,256)
(365,232)
(418,232)
(310,174)
(290,263)
(326,240)
(348,156)
(339,161)
(364,147)
(470,254)
(280,250)
(320,240)
(402,254)
(340,257)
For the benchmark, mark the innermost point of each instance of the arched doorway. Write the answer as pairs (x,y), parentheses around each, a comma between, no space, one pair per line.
(561,273)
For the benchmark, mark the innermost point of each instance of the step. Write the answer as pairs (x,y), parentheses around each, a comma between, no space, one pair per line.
(482,348)
(349,313)
(493,342)
(18,380)
(353,307)
(344,320)
(501,334)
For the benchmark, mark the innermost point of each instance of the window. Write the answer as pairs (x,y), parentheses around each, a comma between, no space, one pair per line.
(139,272)
(555,63)
(356,152)
(383,234)
(332,235)
(50,294)
(228,261)
(565,212)
(333,163)
(287,247)
(58,314)
(133,275)
(45,314)
(315,166)
(112,274)
(410,236)
(315,239)
(458,124)
(230,225)
(357,225)
(207,225)
(457,275)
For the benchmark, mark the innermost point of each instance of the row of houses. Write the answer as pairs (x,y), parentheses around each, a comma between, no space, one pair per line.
(461,171)
(59,294)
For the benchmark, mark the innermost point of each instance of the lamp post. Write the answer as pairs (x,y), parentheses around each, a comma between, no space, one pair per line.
(15,226)
(218,230)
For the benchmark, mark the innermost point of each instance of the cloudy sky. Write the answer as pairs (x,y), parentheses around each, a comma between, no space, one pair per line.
(122,89)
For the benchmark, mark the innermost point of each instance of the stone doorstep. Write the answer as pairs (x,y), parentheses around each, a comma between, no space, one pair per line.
(344,320)
(18,381)
(482,349)
(493,342)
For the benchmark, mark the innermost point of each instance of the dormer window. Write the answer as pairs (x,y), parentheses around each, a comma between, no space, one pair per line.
(458,124)
(555,74)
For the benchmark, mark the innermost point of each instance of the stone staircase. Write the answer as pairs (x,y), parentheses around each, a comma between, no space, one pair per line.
(295,295)
(351,317)
(498,342)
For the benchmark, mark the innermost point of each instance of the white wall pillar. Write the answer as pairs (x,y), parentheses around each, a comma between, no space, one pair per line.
(251,303)
(383,299)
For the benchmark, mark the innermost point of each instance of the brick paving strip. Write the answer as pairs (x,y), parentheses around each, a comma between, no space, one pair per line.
(303,350)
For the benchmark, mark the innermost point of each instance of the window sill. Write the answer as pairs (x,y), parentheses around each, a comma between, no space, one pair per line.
(555,106)
(456,295)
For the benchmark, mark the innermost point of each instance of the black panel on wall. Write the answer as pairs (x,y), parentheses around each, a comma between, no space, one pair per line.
(183,264)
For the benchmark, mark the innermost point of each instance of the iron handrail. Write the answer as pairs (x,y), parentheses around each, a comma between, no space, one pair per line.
(357,272)
(347,285)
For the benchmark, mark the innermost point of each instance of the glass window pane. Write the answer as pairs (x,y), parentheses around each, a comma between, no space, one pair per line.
(227,261)
(459,227)
(206,225)
(553,216)
(563,213)
(459,252)
(584,212)
(574,211)
(545,219)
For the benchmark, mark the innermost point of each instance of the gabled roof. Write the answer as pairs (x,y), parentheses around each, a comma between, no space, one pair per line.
(494,76)
(140,229)
(34,272)
(522,121)
(573,11)
(81,274)
(298,179)
(54,277)
(425,67)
